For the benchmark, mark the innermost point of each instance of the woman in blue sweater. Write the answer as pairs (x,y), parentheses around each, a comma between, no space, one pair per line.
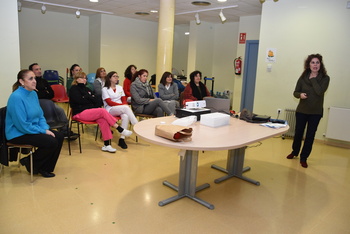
(26,124)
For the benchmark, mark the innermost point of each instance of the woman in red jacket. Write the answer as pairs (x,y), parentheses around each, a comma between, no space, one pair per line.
(128,74)
(196,90)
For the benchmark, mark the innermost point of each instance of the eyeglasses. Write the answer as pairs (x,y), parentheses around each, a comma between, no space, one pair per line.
(82,78)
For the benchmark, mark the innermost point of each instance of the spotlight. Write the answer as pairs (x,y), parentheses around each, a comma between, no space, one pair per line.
(222,17)
(19,6)
(198,21)
(43,9)
(77,13)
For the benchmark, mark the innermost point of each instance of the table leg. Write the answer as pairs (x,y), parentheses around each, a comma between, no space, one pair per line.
(187,181)
(234,166)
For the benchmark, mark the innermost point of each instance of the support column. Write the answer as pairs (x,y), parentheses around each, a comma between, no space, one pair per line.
(165,38)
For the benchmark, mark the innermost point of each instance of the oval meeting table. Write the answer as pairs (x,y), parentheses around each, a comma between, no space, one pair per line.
(233,137)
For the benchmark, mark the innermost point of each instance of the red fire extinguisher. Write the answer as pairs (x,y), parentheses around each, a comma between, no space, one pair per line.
(238,65)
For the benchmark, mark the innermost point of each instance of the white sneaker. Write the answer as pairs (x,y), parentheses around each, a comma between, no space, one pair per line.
(108,148)
(126,132)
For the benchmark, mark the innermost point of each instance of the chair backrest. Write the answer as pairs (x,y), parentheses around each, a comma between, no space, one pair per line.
(51,76)
(59,91)
(91,77)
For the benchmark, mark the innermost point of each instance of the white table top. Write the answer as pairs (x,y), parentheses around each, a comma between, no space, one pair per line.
(236,135)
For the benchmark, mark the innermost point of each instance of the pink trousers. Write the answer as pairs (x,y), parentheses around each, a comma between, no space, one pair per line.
(104,120)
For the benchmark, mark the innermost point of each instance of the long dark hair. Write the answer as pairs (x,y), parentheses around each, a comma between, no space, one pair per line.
(307,69)
(20,76)
(108,79)
(128,73)
(164,76)
(72,68)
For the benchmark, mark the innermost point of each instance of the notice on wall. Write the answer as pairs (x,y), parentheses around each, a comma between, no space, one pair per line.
(242,38)
(271,55)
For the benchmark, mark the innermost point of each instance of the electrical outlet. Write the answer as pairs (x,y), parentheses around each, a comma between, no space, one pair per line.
(279,111)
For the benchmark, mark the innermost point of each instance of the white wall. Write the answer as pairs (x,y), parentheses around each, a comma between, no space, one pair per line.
(128,41)
(296,29)
(180,47)
(9,47)
(54,40)
(225,49)
(251,26)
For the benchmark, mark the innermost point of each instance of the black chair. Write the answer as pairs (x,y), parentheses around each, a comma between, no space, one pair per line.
(5,146)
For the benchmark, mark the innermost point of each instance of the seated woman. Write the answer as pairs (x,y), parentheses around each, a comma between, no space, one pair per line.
(196,90)
(99,83)
(128,74)
(168,91)
(85,107)
(143,100)
(26,124)
(115,103)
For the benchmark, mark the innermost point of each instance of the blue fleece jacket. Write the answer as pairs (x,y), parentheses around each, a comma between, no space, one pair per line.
(24,114)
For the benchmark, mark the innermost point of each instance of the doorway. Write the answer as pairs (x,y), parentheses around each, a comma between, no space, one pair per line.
(249,76)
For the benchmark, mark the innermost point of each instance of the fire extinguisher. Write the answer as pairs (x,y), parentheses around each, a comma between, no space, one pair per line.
(238,65)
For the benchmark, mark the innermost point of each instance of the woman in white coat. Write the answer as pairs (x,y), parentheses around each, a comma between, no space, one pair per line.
(115,103)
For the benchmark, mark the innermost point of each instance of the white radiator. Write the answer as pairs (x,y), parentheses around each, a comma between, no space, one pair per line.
(338,126)
(290,118)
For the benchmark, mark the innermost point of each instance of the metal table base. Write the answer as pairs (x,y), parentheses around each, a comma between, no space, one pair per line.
(234,166)
(187,181)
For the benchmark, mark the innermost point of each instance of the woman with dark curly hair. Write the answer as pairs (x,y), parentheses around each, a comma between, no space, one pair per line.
(310,89)
(196,90)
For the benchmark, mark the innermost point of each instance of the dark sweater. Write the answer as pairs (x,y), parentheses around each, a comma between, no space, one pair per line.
(315,89)
(81,98)
(43,89)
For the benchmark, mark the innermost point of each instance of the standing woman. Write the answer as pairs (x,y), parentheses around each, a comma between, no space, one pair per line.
(115,103)
(196,90)
(128,74)
(99,83)
(168,91)
(143,100)
(310,88)
(26,124)
(84,107)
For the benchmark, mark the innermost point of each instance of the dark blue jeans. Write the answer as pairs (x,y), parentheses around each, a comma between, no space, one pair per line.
(311,123)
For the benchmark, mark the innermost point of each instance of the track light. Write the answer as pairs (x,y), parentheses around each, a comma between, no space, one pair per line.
(198,21)
(77,13)
(19,6)
(43,9)
(222,17)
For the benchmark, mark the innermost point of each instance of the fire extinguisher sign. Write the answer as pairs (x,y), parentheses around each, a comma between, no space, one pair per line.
(242,38)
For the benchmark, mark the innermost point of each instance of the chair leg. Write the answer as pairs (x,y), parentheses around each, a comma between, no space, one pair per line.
(68,131)
(31,167)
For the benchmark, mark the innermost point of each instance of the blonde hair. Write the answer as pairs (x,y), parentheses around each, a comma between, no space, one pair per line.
(77,76)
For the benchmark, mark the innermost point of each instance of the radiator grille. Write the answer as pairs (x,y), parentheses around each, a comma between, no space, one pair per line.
(290,118)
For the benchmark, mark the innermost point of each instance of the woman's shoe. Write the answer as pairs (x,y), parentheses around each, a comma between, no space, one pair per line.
(108,148)
(126,132)
(46,174)
(303,164)
(122,143)
(291,156)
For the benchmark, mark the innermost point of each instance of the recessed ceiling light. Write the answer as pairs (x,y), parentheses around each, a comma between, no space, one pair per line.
(201,3)
(222,0)
(93,0)
(153,11)
(141,13)
(187,33)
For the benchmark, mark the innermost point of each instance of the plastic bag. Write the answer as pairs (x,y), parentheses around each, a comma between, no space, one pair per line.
(185,121)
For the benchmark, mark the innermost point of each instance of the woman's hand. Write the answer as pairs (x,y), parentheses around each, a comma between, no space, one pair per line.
(48,132)
(151,100)
(303,96)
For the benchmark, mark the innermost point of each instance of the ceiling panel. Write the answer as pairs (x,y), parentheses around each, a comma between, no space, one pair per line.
(127,8)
